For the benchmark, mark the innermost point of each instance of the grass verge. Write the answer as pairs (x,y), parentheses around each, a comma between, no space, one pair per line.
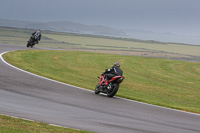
(16,125)
(169,83)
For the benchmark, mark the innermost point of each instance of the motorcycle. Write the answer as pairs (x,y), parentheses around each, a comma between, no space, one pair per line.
(109,87)
(31,42)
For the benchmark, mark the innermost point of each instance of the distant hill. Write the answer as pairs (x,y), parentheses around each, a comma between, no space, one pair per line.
(62,26)
(72,27)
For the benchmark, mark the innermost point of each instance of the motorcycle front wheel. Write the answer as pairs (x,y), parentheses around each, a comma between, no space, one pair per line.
(97,91)
(28,44)
(111,92)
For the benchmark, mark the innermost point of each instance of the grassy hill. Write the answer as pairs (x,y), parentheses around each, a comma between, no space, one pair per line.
(62,26)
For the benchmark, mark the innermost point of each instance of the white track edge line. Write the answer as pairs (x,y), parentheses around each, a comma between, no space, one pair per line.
(91,90)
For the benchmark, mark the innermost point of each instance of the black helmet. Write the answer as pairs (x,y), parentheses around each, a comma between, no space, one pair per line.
(117,64)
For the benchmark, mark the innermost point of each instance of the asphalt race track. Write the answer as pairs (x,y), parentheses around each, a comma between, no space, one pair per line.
(28,96)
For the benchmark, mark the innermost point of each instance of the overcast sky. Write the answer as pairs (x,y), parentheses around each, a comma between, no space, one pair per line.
(175,16)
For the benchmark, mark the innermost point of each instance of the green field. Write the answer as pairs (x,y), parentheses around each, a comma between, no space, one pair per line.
(126,45)
(16,125)
(169,83)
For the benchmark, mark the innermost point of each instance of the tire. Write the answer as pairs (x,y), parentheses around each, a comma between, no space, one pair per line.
(28,44)
(32,44)
(113,90)
(97,91)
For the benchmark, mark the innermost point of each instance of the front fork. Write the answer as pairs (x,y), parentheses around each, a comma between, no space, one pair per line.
(109,86)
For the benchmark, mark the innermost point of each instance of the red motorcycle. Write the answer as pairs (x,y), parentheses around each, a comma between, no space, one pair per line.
(109,87)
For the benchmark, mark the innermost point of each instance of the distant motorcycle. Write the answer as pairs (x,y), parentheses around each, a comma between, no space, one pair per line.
(109,87)
(34,39)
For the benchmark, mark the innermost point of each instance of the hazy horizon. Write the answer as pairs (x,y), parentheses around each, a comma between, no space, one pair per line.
(160,16)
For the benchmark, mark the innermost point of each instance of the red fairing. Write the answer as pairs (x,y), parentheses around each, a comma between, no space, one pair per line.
(101,80)
(116,77)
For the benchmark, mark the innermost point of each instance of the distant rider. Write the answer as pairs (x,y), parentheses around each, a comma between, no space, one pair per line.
(115,70)
(36,36)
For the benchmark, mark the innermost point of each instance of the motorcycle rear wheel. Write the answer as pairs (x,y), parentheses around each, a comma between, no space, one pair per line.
(113,90)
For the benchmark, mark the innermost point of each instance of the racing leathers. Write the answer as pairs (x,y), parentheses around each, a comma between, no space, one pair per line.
(36,36)
(113,71)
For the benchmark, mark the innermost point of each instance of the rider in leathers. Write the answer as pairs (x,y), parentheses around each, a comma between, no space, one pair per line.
(115,70)
(36,36)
